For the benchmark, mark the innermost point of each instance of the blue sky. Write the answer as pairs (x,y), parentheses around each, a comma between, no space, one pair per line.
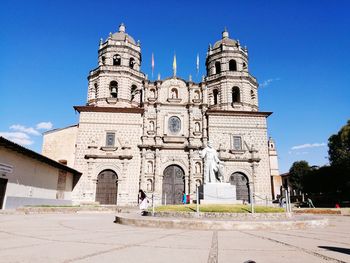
(298,50)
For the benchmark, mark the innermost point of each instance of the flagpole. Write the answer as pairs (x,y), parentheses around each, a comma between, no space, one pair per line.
(197,64)
(174,66)
(152,64)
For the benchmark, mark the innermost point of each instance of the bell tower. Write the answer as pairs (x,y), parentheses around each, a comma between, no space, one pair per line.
(230,85)
(117,81)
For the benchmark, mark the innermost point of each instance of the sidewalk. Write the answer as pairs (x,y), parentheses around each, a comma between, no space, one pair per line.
(92,237)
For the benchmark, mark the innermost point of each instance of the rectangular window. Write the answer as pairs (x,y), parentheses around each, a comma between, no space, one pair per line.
(110,139)
(237,143)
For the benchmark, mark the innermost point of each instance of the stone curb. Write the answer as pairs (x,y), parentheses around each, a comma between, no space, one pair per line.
(206,224)
(225,215)
(323,211)
(64,210)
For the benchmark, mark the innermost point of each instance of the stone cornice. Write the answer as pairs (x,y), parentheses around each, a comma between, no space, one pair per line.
(237,113)
(231,75)
(108,109)
(99,156)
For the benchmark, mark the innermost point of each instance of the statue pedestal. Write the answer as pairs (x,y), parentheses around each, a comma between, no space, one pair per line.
(218,193)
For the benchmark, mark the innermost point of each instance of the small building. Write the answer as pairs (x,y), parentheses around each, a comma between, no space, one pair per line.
(29,178)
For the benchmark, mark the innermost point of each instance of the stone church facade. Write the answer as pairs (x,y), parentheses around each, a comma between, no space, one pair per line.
(134,133)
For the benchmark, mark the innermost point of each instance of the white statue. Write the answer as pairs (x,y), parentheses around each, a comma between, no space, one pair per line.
(212,171)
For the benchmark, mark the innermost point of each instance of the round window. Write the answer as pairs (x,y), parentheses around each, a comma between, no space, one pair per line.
(174,124)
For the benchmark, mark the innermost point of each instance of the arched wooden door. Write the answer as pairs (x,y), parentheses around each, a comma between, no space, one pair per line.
(173,185)
(107,188)
(241,182)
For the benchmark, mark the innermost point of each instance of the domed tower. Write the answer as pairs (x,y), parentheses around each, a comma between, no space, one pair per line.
(230,85)
(117,80)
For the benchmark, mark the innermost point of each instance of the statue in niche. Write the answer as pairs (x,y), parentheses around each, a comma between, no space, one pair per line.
(212,170)
(173,94)
(197,127)
(151,125)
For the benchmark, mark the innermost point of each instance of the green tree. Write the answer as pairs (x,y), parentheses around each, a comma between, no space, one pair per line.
(297,174)
(339,148)
(339,158)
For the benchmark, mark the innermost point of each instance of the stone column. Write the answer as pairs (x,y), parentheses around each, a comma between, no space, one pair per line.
(204,125)
(158,125)
(158,177)
(190,126)
(142,169)
(190,172)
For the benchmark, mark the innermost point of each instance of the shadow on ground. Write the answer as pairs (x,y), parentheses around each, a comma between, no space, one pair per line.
(337,249)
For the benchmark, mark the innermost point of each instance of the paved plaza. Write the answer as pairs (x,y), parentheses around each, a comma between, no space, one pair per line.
(93,237)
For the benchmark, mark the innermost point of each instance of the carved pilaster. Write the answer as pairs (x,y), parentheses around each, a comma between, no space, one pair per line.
(158,137)
(158,178)
(142,169)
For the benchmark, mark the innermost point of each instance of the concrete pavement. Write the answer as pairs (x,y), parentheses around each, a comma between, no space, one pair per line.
(93,237)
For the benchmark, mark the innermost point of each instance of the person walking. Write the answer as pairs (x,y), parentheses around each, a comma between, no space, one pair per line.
(143,203)
(184,198)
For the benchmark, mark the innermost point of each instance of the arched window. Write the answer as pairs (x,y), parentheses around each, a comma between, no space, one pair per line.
(244,65)
(152,93)
(103,60)
(131,62)
(117,60)
(174,94)
(217,67)
(233,65)
(141,96)
(236,95)
(197,95)
(113,86)
(252,94)
(216,95)
(133,91)
(95,90)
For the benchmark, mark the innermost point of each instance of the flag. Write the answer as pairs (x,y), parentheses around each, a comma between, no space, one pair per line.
(152,64)
(197,63)
(174,65)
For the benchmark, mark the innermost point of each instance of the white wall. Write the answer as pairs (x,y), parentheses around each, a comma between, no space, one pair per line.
(60,144)
(33,182)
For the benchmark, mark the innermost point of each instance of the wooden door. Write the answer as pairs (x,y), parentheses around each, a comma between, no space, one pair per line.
(242,186)
(107,188)
(173,185)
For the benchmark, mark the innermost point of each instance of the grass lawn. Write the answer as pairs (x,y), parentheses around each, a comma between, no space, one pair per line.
(218,208)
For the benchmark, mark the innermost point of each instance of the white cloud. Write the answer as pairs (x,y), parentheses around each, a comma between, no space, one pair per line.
(268,82)
(21,128)
(44,125)
(308,145)
(17,137)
